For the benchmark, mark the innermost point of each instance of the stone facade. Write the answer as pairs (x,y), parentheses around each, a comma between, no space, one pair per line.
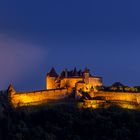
(19,99)
(105,99)
(117,96)
(72,79)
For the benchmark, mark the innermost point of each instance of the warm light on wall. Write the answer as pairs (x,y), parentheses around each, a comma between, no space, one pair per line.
(40,97)
(122,99)
(94,104)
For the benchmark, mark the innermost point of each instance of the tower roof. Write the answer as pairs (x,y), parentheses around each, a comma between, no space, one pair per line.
(75,72)
(11,88)
(86,70)
(52,73)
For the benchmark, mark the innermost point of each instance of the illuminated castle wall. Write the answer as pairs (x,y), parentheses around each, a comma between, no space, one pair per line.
(117,96)
(57,87)
(19,99)
(72,79)
(105,99)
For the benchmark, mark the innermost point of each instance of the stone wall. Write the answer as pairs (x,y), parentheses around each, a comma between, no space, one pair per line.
(105,104)
(106,99)
(70,81)
(94,81)
(117,96)
(38,97)
(19,99)
(50,82)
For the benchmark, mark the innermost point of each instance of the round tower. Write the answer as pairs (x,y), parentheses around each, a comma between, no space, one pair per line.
(51,79)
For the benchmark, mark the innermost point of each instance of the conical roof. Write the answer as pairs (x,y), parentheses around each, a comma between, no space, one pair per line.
(11,88)
(52,73)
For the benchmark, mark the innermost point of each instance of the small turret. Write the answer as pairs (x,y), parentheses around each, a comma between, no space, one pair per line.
(50,79)
(11,89)
(75,73)
(52,73)
(66,73)
(86,74)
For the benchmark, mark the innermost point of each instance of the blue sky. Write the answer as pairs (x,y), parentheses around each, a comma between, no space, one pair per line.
(36,35)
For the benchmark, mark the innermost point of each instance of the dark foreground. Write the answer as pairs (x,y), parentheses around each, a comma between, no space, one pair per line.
(64,122)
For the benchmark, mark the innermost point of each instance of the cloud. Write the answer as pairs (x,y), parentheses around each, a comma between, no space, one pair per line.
(17,58)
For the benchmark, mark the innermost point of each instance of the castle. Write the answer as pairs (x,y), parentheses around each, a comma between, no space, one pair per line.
(58,87)
(81,83)
(80,80)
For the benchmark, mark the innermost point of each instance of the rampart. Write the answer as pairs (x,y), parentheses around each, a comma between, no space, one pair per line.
(106,99)
(19,99)
(117,96)
(37,97)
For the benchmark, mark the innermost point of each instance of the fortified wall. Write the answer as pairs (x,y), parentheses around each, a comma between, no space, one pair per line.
(117,96)
(19,99)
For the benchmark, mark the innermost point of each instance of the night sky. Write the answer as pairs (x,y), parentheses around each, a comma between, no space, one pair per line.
(35,35)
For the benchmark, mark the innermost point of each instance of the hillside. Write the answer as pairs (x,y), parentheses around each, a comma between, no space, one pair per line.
(66,122)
